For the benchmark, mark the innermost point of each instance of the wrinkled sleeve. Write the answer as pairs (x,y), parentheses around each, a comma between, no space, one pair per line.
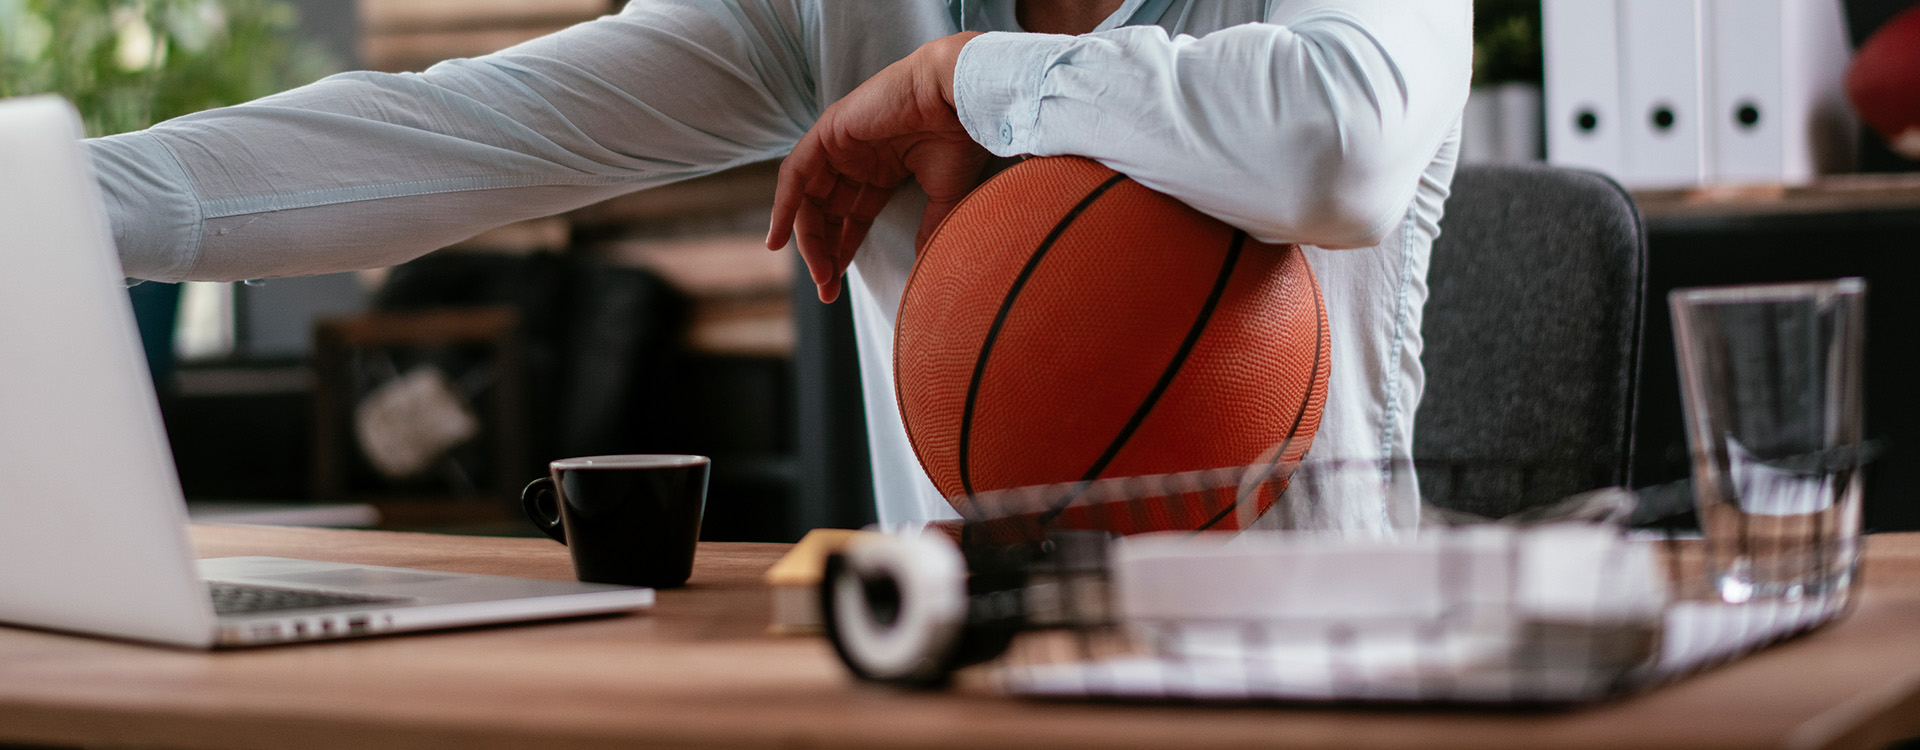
(368,169)
(1313,127)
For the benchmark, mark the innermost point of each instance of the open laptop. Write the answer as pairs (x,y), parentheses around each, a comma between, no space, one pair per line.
(92,521)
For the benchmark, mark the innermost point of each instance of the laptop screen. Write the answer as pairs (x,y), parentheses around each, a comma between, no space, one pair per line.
(92,526)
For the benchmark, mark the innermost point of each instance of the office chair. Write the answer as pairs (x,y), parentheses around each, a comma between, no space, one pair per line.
(1538,281)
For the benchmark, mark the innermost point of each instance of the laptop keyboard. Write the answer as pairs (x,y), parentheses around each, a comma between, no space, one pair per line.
(234,598)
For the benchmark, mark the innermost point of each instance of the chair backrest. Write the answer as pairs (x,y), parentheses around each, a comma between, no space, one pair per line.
(1532,337)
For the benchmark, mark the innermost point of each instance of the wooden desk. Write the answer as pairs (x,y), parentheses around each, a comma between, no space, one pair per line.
(698,672)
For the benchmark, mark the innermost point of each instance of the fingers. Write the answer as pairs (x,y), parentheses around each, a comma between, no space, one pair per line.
(798,216)
(786,202)
(789,192)
(824,211)
(868,204)
(810,233)
(780,225)
(824,240)
(845,216)
(832,187)
(830,291)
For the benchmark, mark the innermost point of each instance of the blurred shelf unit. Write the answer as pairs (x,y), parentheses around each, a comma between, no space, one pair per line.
(740,292)
(1866,194)
(206,380)
(705,238)
(240,430)
(686,262)
(410,35)
(744,189)
(546,234)
(357,358)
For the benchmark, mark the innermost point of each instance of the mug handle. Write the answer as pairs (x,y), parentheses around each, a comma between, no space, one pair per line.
(536,499)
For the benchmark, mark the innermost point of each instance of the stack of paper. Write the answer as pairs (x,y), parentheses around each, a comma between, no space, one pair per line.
(1547,614)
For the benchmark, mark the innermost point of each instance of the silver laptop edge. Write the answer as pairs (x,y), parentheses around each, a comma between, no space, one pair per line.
(92,522)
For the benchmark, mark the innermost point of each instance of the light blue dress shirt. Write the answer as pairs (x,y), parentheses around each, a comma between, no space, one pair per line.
(1328,123)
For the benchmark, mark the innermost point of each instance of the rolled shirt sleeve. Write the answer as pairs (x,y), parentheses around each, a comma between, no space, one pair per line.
(150,200)
(1312,127)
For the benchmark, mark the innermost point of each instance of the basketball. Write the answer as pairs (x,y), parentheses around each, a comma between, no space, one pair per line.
(1065,323)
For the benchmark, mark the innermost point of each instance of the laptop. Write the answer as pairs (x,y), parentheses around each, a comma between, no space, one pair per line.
(92,521)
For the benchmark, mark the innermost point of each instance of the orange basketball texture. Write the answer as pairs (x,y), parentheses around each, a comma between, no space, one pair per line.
(1066,323)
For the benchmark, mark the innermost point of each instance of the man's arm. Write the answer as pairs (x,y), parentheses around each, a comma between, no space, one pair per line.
(367,169)
(1312,128)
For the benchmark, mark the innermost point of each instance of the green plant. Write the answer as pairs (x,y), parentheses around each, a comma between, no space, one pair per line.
(1506,41)
(127,64)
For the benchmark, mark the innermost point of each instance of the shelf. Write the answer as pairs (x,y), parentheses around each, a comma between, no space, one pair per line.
(1890,200)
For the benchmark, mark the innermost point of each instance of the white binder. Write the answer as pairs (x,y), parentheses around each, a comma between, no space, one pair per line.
(1582,55)
(1778,110)
(1661,89)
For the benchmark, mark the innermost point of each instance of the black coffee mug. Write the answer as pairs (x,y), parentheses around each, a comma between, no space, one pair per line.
(631,520)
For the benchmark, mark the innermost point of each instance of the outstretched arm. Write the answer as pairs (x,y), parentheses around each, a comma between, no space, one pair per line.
(368,169)
(1310,128)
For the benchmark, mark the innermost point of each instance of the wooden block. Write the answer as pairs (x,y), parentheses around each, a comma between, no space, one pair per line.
(795,580)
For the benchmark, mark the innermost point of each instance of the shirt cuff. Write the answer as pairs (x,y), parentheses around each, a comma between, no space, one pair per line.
(996,88)
(150,204)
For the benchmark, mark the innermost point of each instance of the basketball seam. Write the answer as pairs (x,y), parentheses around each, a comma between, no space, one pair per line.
(1319,340)
(899,402)
(1167,374)
(1000,319)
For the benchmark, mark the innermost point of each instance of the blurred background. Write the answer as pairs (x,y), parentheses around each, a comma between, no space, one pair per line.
(425,395)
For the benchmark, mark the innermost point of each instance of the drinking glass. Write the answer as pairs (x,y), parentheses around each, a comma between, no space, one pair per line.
(1770,378)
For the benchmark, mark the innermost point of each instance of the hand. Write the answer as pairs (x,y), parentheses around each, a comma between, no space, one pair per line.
(901,123)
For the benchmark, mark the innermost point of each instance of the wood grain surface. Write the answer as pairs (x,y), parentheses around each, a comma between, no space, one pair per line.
(699,671)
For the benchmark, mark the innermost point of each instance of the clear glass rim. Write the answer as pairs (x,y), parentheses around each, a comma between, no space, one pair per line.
(1777,292)
(630,461)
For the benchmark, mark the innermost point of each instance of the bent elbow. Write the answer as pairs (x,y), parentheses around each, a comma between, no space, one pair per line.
(1365,173)
(1343,221)
(1332,181)
(1343,208)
